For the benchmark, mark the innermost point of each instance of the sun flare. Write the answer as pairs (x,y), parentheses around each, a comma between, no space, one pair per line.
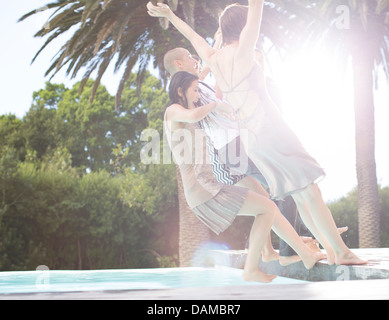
(317,102)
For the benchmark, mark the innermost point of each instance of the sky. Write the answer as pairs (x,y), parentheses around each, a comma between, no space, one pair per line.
(19,78)
(317,96)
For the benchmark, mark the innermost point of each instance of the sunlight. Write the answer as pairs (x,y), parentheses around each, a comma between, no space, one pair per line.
(317,103)
(314,89)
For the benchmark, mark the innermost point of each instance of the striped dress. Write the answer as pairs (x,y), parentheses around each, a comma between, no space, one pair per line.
(220,170)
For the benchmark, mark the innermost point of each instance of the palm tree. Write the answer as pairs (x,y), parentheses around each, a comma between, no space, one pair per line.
(359,30)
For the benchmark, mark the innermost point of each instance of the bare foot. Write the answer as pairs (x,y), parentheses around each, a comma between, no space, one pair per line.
(310,261)
(285,261)
(270,256)
(331,258)
(349,259)
(258,276)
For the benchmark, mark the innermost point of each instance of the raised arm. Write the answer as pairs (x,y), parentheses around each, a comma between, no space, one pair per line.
(250,33)
(204,50)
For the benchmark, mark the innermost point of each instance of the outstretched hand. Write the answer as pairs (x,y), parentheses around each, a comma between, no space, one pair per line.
(161,10)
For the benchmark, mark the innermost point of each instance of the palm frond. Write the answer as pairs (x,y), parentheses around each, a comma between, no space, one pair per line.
(382,5)
(122,30)
(90,7)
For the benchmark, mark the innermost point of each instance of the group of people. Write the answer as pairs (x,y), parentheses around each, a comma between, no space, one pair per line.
(238,117)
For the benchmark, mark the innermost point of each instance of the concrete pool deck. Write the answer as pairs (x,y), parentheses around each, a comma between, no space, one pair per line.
(376,269)
(369,282)
(326,290)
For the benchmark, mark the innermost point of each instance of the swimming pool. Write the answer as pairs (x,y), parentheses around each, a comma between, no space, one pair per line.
(129,279)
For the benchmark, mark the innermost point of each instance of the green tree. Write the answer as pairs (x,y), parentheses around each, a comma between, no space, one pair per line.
(39,129)
(345,211)
(62,117)
(50,214)
(88,125)
(10,136)
(140,108)
(30,228)
(8,179)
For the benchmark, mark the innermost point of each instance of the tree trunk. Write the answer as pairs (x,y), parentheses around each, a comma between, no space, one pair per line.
(368,201)
(192,232)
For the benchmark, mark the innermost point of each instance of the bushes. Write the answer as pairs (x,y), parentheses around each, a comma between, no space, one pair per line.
(345,212)
(73,193)
(70,222)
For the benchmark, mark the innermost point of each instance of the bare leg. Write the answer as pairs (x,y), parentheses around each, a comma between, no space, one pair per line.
(323,219)
(263,210)
(268,252)
(310,224)
(284,229)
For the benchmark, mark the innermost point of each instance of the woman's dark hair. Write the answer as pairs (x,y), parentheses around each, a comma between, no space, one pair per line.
(232,21)
(181,80)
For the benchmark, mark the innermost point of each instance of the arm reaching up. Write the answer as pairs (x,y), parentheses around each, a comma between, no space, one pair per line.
(204,50)
(250,33)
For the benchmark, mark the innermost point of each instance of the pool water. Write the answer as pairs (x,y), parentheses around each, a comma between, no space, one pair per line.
(129,279)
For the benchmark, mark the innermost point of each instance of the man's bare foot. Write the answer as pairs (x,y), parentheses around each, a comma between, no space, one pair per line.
(349,259)
(310,261)
(285,261)
(270,256)
(258,276)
